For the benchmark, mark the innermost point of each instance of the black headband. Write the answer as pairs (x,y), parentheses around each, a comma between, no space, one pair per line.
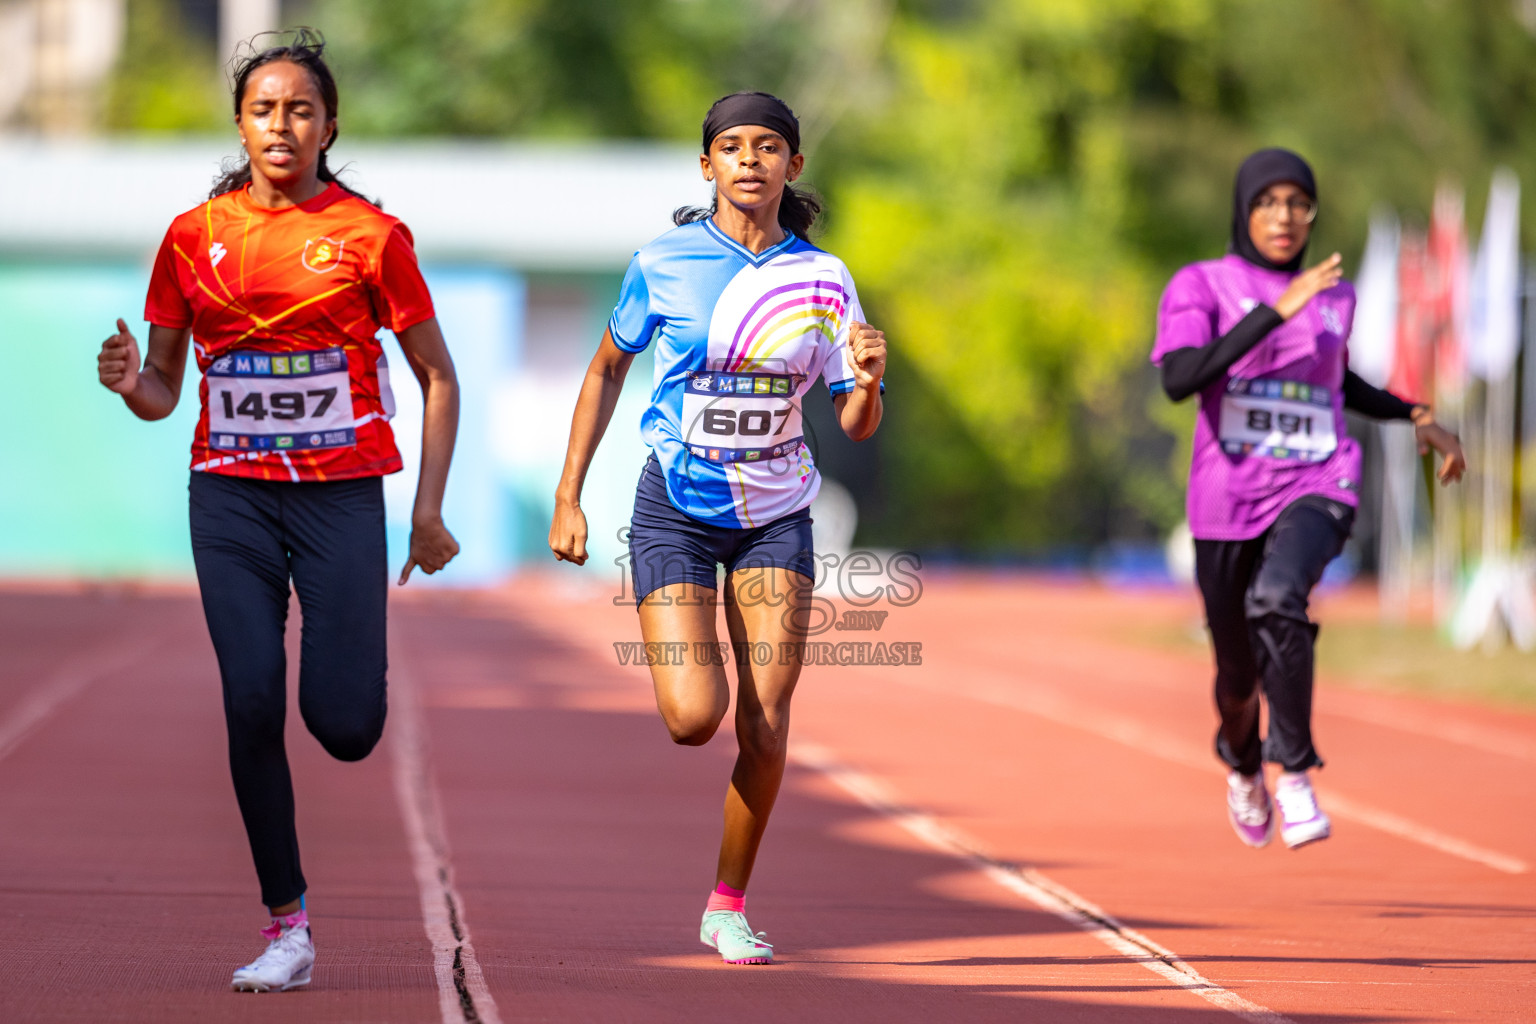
(752,108)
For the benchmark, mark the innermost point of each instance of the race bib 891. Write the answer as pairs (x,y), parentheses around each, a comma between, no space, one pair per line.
(1281,419)
(260,401)
(742,417)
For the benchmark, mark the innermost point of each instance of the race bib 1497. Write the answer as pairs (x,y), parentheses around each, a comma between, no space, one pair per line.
(1281,419)
(261,401)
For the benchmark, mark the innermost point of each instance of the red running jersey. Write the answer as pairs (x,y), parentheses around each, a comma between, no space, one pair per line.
(284,307)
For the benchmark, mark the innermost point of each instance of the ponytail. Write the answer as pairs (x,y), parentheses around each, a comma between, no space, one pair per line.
(798,211)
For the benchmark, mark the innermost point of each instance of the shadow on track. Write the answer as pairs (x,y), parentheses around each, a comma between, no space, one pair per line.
(584,842)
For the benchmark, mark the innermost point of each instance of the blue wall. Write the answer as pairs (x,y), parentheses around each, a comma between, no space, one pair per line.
(91,491)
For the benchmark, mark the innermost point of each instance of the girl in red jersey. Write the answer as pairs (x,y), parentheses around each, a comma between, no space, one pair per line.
(280,281)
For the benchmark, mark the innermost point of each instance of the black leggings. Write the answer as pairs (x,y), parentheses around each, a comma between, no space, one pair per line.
(248,538)
(1256,593)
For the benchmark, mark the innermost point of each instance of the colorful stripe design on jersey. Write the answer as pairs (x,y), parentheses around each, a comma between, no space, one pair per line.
(740,338)
(816,304)
(285,307)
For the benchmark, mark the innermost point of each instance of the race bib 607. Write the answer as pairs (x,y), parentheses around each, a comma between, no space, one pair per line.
(261,401)
(742,417)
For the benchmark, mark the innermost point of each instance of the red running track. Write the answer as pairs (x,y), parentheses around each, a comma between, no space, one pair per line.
(940,832)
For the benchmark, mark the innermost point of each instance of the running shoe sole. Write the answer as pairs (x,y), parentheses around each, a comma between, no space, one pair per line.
(1312,834)
(743,960)
(254,985)
(713,943)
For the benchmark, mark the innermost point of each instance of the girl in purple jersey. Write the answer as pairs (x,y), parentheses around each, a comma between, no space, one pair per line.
(1274,475)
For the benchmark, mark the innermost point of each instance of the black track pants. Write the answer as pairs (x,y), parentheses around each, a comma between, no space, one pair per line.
(248,538)
(1256,594)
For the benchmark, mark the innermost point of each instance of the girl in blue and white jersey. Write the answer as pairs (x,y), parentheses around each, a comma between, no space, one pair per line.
(746,314)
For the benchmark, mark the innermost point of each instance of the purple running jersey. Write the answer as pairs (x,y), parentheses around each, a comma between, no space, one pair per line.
(1271,429)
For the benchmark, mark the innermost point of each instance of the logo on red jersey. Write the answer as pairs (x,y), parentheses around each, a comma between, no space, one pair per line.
(217,252)
(322,254)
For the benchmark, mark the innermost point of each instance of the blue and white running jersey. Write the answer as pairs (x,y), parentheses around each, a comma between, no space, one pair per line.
(741,341)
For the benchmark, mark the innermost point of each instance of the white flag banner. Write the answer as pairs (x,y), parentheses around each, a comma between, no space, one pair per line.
(1373,342)
(1494,308)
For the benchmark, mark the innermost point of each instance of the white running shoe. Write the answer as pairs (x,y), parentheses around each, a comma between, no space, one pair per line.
(1301,820)
(286,964)
(728,932)
(1249,808)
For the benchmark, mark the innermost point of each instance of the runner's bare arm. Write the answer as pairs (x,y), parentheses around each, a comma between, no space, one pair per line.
(151,390)
(594,408)
(432,546)
(859,410)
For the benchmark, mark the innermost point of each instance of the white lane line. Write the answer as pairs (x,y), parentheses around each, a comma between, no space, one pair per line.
(1393,824)
(65,685)
(1042,892)
(1478,737)
(462,995)
(1007,693)
(1354,702)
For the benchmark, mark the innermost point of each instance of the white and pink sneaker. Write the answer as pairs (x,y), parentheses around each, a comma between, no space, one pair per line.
(286,964)
(728,932)
(1249,808)
(1301,820)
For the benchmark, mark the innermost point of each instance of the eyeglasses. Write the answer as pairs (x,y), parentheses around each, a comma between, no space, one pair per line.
(1302,209)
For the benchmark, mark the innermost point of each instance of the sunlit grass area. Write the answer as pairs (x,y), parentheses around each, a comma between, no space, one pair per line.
(1413,659)
(1416,658)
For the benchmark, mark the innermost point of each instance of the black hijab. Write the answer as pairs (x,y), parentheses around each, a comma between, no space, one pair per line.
(1265,168)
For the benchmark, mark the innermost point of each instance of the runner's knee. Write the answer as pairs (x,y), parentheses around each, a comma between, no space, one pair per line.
(1236,699)
(1277,593)
(350,743)
(691,729)
(759,739)
(346,735)
(692,704)
(253,717)
(255,700)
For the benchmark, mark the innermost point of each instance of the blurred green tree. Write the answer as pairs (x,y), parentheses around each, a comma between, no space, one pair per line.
(167,80)
(575,68)
(1034,171)
(1011,181)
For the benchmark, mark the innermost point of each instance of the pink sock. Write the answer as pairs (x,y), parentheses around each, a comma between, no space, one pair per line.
(294,920)
(726,898)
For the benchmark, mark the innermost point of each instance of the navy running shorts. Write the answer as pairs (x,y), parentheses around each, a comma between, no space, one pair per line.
(668,546)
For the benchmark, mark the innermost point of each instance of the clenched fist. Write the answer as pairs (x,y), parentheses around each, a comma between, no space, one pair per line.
(866,354)
(117,365)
